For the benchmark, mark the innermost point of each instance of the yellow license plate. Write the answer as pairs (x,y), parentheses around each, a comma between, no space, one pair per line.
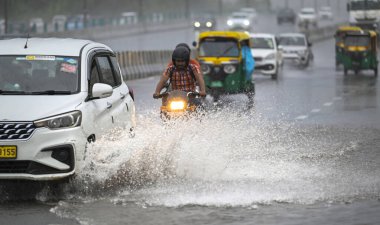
(8,152)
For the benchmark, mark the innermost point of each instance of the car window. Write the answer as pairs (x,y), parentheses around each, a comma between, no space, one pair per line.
(106,75)
(94,76)
(116,69)
(262,43)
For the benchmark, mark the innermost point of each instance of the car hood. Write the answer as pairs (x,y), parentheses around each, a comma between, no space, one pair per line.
(262,52)
(34,107)
(234,20)
(307,16)
(294,48)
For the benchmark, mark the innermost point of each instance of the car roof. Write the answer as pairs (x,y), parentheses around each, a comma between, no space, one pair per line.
(292,35)
(43,46)
(263,35)
(307,10)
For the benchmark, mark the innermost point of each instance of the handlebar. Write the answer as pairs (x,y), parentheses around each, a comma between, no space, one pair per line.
(189,94)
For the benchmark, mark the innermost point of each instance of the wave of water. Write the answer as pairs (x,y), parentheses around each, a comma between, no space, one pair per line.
(230,158)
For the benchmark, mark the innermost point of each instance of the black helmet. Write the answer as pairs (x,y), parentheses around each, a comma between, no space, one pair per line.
(181,53)
(184,45)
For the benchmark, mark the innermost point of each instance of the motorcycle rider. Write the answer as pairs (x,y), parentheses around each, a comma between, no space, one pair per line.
(183,75)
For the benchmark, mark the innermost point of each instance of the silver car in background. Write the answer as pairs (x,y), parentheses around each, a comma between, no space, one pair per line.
(296,48)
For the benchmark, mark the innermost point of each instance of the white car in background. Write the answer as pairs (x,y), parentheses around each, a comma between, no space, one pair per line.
(239,21)
(296,47)
(325,13)
(267,55)
(306,17)
(251,12)
(55,100)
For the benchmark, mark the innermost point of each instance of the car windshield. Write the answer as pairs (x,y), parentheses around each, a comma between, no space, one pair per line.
(365,5)
(218,47)
(308,12)
(294,41)
(239,16)
(356,41)
(37,74)
(262,43)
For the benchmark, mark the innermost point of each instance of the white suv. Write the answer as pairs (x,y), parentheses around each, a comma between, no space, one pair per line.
(268,57)
(306,17)
(56,96)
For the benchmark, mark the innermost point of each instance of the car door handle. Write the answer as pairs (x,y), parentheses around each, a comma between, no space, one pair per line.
(122,96)
(109,105)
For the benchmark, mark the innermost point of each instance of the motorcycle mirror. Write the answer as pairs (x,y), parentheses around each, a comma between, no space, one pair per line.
(194,43)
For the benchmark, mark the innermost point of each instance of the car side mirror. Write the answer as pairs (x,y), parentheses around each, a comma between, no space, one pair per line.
(280,48)
(100,90)
(194,43)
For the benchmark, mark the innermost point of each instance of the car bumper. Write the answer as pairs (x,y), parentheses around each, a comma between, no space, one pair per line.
(42,156)
(266,67)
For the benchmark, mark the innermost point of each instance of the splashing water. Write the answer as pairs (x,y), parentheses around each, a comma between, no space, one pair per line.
(228,158)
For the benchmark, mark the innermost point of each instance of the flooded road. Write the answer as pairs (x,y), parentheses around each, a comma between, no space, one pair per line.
(308,152)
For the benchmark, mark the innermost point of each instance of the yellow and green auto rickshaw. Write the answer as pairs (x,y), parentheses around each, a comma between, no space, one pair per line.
(224,57)
(339,43)
(360,51)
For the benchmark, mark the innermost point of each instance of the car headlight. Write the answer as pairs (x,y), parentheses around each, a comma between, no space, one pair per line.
(229,69)
(197,24)
(205,69)
(246,22)
(67,120)
(302,52)
(230,23)
(270,56)
(208,24)
(177,105)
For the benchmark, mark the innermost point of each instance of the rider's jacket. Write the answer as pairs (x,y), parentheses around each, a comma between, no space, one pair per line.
(183,80)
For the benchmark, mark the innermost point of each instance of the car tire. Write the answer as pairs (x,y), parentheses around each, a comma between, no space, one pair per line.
(345,71)
(375,71)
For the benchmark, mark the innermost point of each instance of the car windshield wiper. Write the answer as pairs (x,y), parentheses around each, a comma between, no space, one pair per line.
(50,92)
(2,92)
(225,51)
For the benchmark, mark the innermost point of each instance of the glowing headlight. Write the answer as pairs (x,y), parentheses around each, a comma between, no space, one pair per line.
(67,120)
(177,105)
(205,69)
(246,22)
(229,69)
(197,24)
(270,56)
(230,23)
(208,24)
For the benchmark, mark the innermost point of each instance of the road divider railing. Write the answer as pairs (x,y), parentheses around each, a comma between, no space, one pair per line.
(140,64)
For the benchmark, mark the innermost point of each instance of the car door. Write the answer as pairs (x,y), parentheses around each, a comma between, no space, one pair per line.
(124,102)
(96,112)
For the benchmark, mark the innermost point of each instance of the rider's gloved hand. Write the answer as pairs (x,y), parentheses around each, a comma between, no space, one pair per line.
(202,93)
(156,95)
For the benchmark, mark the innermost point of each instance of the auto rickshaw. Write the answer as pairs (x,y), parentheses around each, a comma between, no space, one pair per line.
(339,44)
(360,51)
(226,69)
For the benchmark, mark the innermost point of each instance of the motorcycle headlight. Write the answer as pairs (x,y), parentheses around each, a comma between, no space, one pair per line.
(197,24)
(230,23)
(177,105)
(246,22)
(205,69)
(270,56)
(229,69)
(208,24)
(67,120)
